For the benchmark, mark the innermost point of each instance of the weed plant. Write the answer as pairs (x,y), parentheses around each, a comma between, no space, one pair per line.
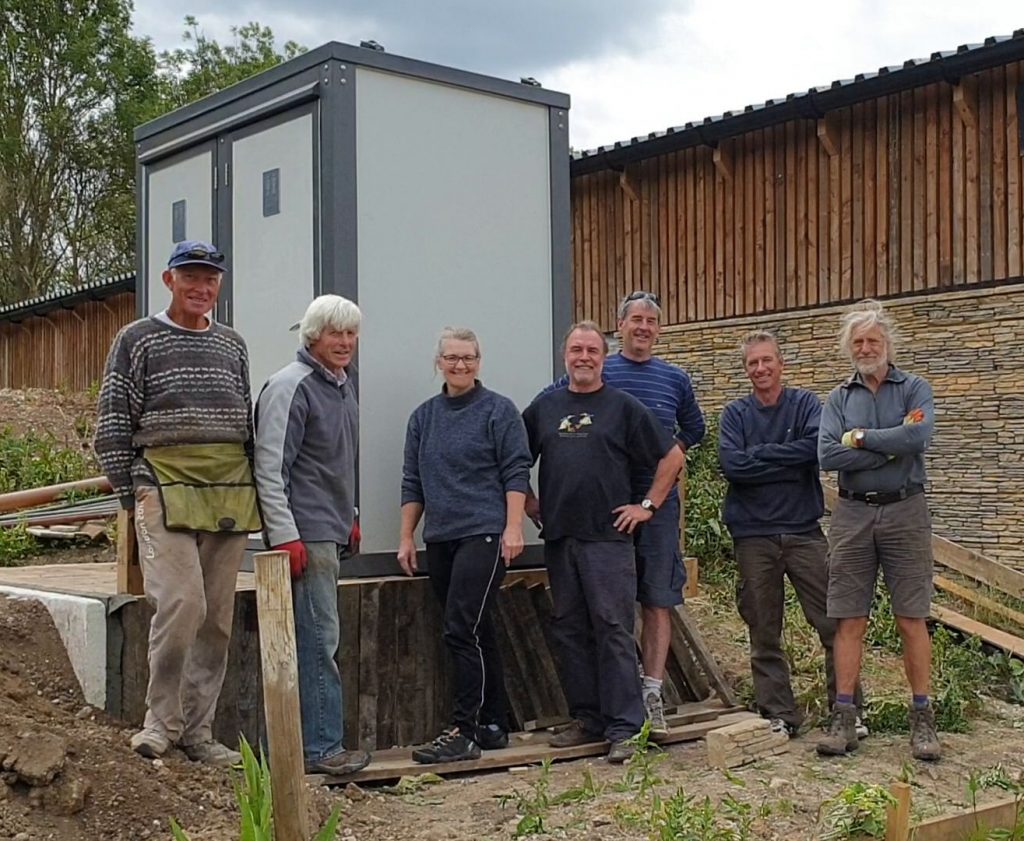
(857,811)
(33,460)
(707,538)
(997,778)
(16,543)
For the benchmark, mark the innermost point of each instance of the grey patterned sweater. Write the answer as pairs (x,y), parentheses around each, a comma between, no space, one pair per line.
(163,386)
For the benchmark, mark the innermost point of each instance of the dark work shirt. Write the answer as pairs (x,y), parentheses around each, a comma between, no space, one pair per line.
(589,445)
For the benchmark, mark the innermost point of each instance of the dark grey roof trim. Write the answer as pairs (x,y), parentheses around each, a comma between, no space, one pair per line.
(68,298)
(353,55)
(947,66)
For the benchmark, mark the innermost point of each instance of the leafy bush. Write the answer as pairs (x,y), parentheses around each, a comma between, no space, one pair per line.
(707,538)
(15,544)
(33,460)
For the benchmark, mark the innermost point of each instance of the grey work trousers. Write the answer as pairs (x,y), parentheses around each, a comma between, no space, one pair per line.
(763,563)
(189,579)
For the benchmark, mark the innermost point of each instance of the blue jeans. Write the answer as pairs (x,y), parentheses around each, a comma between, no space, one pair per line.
(317,631)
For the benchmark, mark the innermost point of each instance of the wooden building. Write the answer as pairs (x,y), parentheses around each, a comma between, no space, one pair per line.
(60,340)
(905,184)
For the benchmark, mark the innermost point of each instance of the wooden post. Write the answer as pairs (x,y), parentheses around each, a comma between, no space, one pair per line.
(281,695)
(692,571)
(129,570)
(897,816)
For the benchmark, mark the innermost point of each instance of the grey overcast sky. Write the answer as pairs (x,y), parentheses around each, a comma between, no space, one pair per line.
(631,68)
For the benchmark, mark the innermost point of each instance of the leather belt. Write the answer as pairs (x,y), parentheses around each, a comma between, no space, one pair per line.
(882,497)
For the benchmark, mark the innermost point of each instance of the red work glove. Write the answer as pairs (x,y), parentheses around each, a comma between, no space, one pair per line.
(355,538)
(297,560)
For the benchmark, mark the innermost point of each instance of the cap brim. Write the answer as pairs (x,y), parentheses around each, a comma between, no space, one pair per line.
(212,265)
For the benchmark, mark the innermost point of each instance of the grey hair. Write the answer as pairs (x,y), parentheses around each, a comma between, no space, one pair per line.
(591,326)
(758,337)
(862,316)
(647,301)
(328,312)
(458,334)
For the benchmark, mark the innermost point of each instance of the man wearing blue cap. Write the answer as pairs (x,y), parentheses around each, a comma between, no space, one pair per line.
(174,436)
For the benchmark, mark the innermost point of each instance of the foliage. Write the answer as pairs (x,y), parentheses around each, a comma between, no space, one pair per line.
(882,632)
(641,775)
(255,802)
(856,811)
(16,543)
(997,778)
(532,805)
(33,460)
(683,818)
(706,535)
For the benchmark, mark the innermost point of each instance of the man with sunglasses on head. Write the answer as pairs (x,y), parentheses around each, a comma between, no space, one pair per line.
(666,390)
(174,435)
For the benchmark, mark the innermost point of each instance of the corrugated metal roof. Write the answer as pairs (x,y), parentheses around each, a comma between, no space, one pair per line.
(949,65)
(67,297)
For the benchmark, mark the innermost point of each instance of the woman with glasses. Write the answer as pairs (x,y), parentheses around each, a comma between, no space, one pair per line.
(466,471)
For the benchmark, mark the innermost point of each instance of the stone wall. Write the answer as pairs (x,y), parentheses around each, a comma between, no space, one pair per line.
(968,344)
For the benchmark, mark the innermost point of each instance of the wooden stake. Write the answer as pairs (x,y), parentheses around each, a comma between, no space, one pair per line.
(129,570)
(281,695)
(692,572)
(897,816)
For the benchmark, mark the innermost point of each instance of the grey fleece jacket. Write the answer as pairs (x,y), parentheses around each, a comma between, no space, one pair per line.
(307,433)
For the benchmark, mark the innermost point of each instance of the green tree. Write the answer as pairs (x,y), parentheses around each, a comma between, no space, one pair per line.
(72,78)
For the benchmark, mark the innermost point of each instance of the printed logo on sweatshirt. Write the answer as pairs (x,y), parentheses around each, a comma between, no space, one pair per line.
(574,426)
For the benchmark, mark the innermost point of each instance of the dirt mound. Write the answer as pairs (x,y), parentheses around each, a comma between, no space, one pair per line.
(69,416)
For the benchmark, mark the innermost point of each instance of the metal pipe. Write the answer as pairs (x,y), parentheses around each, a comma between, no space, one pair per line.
(17,500)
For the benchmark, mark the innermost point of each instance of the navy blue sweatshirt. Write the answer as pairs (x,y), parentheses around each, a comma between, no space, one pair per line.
(462,455)
(769,454)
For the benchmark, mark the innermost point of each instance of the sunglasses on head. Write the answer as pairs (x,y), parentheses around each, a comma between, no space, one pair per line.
(200,254)
(643,296)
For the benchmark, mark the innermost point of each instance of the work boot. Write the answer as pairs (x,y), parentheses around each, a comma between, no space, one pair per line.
(841,736)
(861,728)
(621,750)
(342,763)
(655,709)
(573,734)
(150,743)
(450,746)
(491,737)
(212,753)
(924,741)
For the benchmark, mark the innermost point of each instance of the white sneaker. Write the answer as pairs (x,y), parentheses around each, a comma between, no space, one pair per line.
(777,725)
(150,743)
(860,728)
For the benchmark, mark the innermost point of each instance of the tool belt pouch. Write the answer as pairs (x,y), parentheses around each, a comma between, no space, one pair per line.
(205,487)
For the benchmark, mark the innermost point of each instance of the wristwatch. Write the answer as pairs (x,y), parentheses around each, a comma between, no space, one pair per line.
(647,505)
(858,437)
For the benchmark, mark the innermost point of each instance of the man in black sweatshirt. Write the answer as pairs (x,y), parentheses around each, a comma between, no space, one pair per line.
(768,451)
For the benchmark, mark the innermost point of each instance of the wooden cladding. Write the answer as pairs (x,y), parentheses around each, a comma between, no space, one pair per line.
(64,348)
(919,190)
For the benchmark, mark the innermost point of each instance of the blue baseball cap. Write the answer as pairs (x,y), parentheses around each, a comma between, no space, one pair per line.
(193,251)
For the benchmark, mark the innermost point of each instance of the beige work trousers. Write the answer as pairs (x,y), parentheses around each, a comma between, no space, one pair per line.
(190,582)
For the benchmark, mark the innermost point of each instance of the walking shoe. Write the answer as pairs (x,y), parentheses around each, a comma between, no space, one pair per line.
(655,709)
(778,725)
(491,737)
(924,741)
(573,734)
(150,743)
(621,750)
(212,753)
(340,764)
(841,736)
(450,746)
(861,728)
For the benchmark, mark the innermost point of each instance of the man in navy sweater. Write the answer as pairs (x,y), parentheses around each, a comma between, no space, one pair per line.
(768,452)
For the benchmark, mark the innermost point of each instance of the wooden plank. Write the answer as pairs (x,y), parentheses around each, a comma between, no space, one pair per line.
(789,289)
(760,212)
(390,691)
(702,654)
(958,222)
(281,695)
(736,264)
(897,815)
(545,688)
(931,180)
(719,190)
(1014,213)
(993,636)
(693,224)
(986,179)
(779,237)
(919,207)
(978,567)
(997,85)
(721,157)
(694,680)
(828,134)
(822,245)
(770,212)
(846,205)
(517,679)
(702,231)
(581,294)
(972,221)
(869,114)
(129,570)
(725,264)
(965,101)
(857,200)
(369,616)
(905,279)
(670,242)
(967,822)
(692,574)
(348,661)
(971,595)
(524,749)
(835,195)
(811,232)
(895,188)
(945,188)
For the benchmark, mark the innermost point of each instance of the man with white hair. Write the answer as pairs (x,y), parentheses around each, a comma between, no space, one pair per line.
(875,428)
(307,428)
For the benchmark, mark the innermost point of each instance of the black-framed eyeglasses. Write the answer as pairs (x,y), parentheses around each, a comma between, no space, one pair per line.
(640,295)
(452,359)
(200,254)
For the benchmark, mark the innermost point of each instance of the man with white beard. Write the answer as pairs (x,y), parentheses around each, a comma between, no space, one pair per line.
(875,428)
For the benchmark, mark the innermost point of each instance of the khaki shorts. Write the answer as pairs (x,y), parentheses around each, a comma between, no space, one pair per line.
(896,537)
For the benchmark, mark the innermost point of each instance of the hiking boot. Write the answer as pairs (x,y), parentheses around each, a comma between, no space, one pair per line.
(573,734)
(655,709)
(491,737)
(150,743)
(621,750)
(841,736)
(861,728)
(342,763)
(450,746)
(924,741)
(212,753)
(779,725)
